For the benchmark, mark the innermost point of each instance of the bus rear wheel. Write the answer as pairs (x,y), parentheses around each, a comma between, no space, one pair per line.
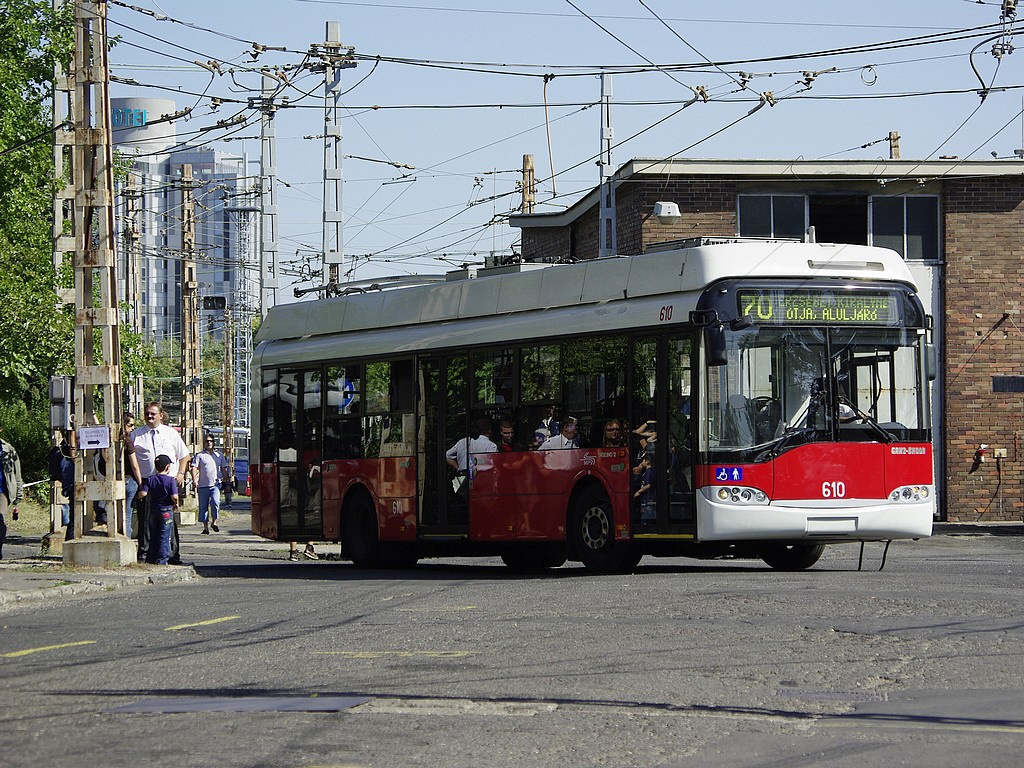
(592,534)
(792,557)
(360,542)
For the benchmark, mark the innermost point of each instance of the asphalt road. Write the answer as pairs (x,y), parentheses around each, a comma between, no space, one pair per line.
(265,662)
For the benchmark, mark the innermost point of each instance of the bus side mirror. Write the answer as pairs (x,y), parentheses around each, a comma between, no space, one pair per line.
(931,362)
(714,344)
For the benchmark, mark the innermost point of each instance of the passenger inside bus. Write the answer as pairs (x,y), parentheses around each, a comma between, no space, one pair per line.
(507,430)
(566,437)
(479,441)
(613,434)
(646,494)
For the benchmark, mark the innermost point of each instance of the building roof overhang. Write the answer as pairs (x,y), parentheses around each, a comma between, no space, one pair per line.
(779,170)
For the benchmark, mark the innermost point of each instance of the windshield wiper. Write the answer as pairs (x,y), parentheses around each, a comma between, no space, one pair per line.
(882,432)
(775,447)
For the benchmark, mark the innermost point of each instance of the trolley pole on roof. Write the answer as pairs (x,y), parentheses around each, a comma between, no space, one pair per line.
(606,235)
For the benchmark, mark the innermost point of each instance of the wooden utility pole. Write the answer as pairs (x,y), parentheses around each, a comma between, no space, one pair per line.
(97,339)
(894,145)
(191,375)
(529,185)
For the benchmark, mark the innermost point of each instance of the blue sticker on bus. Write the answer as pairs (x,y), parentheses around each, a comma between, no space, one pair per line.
(728,474)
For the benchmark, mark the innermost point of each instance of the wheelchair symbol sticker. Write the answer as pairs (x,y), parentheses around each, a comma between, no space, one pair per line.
(728,474)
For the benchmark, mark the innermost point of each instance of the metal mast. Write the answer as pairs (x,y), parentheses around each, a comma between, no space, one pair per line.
(607,240)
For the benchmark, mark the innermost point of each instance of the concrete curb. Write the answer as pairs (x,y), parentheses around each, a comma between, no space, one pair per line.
(78,584)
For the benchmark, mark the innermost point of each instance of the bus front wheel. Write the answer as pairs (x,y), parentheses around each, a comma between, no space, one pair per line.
(592,534)
(792,557)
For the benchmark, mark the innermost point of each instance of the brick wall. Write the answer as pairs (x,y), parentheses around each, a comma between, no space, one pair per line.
(984,253)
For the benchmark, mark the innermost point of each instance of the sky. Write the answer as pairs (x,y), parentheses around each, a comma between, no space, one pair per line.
(448,95)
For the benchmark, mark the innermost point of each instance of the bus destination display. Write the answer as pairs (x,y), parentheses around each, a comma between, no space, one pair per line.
(802,305)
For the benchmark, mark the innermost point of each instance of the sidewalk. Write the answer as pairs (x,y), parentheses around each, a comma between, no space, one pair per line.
(28,575)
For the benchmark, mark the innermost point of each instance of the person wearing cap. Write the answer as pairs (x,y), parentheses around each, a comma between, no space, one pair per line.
(10,486)
(154,439)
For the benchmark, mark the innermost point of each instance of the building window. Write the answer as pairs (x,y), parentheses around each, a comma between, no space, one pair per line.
(772,216)
(909,225)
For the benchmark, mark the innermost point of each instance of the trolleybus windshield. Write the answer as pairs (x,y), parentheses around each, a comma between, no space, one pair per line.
(786,386)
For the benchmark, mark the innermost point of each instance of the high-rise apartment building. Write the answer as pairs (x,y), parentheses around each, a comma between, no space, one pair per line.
(151,157)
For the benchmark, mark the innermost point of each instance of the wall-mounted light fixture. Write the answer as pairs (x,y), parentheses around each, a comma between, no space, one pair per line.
(667,212)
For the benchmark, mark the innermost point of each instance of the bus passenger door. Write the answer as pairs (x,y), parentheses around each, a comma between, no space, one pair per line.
(662,467)
(299,454)
(443,419)
(310,498)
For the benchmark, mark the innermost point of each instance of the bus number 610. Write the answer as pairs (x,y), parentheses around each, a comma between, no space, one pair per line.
(666,313)
(833,489)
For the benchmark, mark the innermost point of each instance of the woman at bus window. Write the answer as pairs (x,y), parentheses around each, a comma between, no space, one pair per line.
(539,436)
(613,437)
(566,437)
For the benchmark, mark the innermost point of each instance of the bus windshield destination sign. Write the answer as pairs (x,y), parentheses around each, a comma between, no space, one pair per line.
(784,305)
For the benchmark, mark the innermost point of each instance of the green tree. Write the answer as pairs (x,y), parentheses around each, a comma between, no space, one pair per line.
(35,332)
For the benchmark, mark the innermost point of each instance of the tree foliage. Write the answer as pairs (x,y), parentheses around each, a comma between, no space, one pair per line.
(35,333)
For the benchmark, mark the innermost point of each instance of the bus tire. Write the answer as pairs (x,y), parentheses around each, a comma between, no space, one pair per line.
(360,542)
(592,534)
(792,557)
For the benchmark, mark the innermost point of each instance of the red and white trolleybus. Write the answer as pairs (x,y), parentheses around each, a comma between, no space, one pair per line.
(704,399)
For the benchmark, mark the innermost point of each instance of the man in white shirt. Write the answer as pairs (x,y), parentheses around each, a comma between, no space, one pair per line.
(208,466)
(151,440)
(566,437)
(479,442)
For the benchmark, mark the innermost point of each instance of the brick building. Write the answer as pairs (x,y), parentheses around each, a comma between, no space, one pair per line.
(959,224)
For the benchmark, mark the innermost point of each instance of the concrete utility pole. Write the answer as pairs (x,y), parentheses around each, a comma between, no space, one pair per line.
(268,198)
(335,60)
(607,243)
(191,373)
(529,185)
(97,392)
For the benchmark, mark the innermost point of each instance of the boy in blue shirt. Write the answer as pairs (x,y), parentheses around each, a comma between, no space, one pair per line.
(162,492)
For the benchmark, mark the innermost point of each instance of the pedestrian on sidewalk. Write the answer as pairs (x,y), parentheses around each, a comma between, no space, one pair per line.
(208,468)
(132,473)
(162,492)
(150,441)
(10,486)
(309,553)
(67,484)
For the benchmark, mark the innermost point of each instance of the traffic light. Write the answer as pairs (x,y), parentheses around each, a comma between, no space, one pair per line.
(214,302)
